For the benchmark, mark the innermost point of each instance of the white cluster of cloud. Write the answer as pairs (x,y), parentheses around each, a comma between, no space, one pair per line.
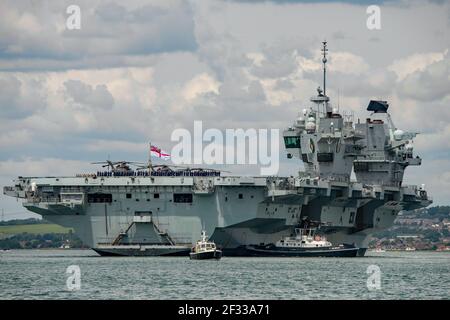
(137,70)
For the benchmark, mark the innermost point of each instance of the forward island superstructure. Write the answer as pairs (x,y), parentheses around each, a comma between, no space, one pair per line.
(160,211)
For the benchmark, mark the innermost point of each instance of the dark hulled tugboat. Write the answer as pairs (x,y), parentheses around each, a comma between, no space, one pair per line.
(205,249)
(305,243)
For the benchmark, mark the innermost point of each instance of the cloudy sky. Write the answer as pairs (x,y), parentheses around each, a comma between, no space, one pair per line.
(134,72)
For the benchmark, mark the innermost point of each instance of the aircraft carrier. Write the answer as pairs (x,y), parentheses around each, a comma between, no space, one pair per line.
(162,210)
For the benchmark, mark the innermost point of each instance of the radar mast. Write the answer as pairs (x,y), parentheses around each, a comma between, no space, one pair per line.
(322,100)
(324,61)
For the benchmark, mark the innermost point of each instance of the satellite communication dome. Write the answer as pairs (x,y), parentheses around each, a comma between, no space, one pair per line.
(310,126)
(398,134)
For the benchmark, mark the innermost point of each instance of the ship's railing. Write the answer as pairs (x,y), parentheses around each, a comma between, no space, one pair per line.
(178,173)
(186,173)
(371,157)
(314,180)
(86,175)
(71,189)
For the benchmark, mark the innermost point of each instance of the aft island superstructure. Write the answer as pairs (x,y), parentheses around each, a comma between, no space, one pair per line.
(161,210)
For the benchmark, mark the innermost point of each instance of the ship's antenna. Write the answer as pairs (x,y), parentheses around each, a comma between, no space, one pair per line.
(324,60)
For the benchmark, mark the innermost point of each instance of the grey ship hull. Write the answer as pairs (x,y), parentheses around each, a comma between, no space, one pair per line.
(141,251)
(236,211)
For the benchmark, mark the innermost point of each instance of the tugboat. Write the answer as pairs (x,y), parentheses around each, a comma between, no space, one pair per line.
(205,249)
(305,243)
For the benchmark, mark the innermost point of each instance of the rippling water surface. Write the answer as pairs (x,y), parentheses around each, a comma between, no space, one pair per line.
(41,274)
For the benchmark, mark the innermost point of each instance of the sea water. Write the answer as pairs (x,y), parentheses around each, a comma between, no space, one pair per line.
(42,274)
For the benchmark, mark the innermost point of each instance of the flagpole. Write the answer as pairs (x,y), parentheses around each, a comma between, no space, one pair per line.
(150,158)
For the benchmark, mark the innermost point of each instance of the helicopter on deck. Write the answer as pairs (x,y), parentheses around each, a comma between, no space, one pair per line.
(119,166)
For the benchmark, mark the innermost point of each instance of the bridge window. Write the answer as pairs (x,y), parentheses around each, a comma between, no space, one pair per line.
(182,197)
(241,196)
(99,198)
(128,195)
(292,142)
(156,195)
